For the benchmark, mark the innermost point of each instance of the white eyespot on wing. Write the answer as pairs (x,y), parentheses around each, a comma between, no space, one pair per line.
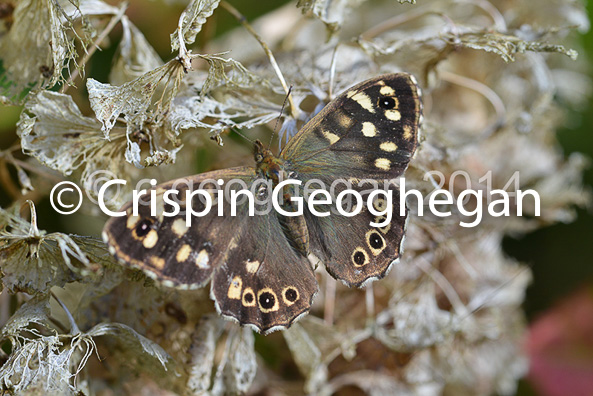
(360,257)
(183,253)
(407,132)
(132,221)
(157,262)
(252,266)
(267,300)
(202,259)
(248,299)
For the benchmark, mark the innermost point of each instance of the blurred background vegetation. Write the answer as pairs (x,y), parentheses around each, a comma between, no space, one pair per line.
(560,255)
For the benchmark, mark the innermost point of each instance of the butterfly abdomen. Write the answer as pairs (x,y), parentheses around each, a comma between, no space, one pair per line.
(295,230)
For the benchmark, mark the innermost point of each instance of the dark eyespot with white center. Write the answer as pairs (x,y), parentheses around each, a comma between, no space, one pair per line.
(143,227)
(267,300)
(375,240)
(387,102)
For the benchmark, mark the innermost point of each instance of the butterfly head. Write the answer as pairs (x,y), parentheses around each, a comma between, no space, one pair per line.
(267,163)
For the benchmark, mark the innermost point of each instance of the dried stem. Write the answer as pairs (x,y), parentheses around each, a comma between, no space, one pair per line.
(95,45)
(233,11)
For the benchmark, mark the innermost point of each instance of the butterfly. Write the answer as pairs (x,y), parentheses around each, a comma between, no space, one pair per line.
(261,267)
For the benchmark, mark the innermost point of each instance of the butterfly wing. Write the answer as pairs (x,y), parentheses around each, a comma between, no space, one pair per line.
(352,250)
(243,256)
(369,133)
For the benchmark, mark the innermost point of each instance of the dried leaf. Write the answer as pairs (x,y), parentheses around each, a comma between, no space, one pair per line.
(35,49)
(53,130)
(36,310)
(229,93)
(135,56)
(133,99)
(143,112)
(42,363)
(331,12)
(506,46)
(133,342)
(242,365)
(191,21)
(33,261)
(202,354)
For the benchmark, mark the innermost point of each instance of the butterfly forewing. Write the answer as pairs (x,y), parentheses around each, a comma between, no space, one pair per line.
(369,131)
(365,138)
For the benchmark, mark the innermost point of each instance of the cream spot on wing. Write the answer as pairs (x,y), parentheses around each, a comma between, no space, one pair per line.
(150,239)
(159,206)
(183,253)
(388,146)
(393,115)
(380,204)
(179,227)
(202,259)
(344,120)
(383,163)
(381,219)
(332,137)
(369,129)
(157,262)
(364,101)
(387,91)
(132,221)
(407,132)
(252,266)
(234,292)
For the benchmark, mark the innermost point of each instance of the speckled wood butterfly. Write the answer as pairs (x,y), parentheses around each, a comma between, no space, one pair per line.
(261,268)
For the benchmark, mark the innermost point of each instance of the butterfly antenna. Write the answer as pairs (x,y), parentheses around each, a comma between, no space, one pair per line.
(280,116)
(236,130)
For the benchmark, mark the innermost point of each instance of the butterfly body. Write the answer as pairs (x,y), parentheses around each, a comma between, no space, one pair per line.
(259,267)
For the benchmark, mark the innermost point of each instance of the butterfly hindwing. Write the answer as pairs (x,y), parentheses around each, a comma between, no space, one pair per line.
(265,283)
(353,251)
